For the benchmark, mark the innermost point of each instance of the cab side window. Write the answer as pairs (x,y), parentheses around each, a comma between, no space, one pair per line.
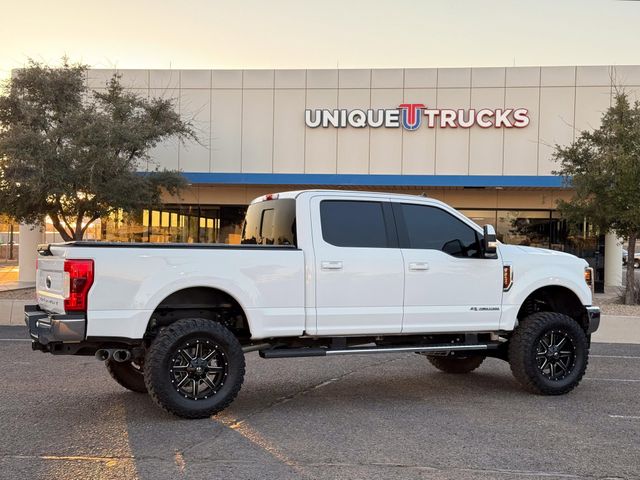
(347,223)
(428,227)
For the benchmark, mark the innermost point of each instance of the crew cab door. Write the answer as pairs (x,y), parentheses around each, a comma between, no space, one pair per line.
(449,285)
(358,267)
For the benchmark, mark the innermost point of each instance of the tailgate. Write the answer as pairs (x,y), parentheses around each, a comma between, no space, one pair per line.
(52,284)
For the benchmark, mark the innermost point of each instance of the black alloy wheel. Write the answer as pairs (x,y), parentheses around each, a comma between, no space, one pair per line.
(199,368)
(556,355)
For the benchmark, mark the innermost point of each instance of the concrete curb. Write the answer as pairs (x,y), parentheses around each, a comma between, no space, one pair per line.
(618,329)
(12,311)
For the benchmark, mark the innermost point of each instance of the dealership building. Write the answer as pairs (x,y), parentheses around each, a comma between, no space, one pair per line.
(480,139)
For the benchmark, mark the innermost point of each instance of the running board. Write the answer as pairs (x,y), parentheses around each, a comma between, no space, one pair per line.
(324,352)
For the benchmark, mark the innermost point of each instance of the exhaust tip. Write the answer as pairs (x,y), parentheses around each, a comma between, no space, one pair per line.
(103,355)
(121,355)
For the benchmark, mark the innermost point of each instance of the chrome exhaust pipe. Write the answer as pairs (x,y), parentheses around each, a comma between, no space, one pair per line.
(121,355)
(103,355)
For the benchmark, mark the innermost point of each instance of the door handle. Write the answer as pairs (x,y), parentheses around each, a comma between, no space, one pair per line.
(418,266)
(331,265)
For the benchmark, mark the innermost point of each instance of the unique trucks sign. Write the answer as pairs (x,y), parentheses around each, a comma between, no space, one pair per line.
(410,116)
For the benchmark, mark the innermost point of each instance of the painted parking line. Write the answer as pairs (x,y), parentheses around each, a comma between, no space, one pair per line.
(626,357)
(626,417)
(15,339)
(613,379)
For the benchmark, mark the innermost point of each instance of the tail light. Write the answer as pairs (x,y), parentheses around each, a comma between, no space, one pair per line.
(80,278)
(507,277)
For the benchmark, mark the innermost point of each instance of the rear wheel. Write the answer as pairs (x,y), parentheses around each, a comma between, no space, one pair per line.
(128,374)
(194,368)
(548,353)
(456,363)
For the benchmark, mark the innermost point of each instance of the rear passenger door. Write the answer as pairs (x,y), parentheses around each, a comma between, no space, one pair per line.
(358,267)
(449,285)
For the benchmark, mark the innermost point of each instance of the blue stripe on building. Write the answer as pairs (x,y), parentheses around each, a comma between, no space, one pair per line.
(540,181)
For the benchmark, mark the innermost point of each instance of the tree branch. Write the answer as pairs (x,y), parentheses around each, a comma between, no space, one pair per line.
(59,227)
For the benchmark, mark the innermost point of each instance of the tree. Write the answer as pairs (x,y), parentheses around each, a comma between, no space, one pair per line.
(77,155)
(603,167)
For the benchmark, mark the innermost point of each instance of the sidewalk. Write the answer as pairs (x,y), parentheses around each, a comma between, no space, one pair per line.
(9,279)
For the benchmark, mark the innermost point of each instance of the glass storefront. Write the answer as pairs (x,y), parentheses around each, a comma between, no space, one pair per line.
(545,229)
(9,240)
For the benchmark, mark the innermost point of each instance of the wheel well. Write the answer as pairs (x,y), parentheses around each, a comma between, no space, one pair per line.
(200,302)
(554,298)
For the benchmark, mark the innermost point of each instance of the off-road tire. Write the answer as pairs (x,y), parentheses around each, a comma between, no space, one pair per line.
(127,374)
(162,352)
(524,353)
(456,363)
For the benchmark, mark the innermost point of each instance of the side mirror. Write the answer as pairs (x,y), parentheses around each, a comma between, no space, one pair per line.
(489,242)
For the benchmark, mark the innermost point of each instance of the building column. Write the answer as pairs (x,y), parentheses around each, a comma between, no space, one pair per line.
(30,237)
(612,261)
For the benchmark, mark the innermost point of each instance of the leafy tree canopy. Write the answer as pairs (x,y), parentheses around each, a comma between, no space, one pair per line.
(603,166)
(76,155)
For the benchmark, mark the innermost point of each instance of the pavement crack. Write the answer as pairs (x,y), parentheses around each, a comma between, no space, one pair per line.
(287,398)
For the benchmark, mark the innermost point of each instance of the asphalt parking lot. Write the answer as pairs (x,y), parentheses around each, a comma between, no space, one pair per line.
(375,416)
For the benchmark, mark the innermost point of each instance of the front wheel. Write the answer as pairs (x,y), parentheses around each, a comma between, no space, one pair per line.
(456,363)
(194,368)
(548,353)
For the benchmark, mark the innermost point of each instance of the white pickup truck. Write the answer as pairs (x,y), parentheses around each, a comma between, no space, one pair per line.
(318,273)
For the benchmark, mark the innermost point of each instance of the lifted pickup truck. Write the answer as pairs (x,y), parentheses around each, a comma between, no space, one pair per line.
(318,273)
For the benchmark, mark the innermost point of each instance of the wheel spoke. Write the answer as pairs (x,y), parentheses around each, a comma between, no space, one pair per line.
(544,364)
(551,339)
(213,369)
(185,355)
(183,381)
(195,387)
(563,367)
(552,369)
(210,354)
(561,342)
(209,383)
(179,368)
(198,353)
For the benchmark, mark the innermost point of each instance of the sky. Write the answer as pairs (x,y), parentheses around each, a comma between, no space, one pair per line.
(319,34)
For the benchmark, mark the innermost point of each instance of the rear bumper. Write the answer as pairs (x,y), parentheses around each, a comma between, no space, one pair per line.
(593,319)
(45,328)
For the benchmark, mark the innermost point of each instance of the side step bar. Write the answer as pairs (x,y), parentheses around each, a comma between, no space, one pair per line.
(324,352)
